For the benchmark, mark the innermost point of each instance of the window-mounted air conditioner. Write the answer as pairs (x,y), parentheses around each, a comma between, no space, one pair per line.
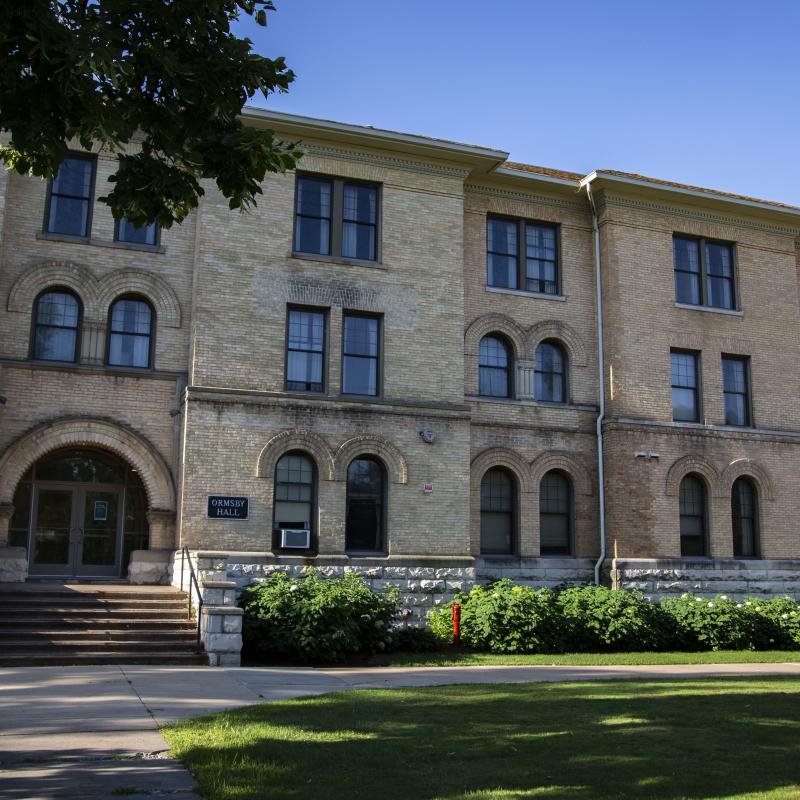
(296,538)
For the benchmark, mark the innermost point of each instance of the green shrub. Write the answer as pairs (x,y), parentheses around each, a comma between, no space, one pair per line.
(503,618)
(778,623)
(316,619)
(597,619)
(717,624)
(415,640)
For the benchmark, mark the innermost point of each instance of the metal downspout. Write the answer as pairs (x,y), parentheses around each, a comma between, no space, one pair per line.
(601,388)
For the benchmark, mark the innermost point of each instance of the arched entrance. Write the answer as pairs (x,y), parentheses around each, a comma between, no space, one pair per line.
(80,512)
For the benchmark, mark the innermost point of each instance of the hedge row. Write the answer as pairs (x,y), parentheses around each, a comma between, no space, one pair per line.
(505,618)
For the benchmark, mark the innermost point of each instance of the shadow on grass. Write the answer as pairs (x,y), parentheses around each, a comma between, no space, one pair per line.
(645,739)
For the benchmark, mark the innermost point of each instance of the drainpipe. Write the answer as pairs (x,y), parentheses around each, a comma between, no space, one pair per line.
(602,387)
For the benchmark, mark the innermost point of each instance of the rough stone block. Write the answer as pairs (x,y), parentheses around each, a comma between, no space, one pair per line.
(432,587)
(13,565)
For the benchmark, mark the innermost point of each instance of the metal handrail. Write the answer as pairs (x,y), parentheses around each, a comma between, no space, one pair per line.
(192,580)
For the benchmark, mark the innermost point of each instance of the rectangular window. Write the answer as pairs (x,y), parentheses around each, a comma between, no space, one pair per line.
(685,388)
(522,255)
(736,389)
(704,273)
(305,351)
(124,231)
(336,217)
(360,355)
(69,205)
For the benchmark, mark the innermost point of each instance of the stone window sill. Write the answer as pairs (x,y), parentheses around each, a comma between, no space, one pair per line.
(520,293)
(347,262)
(61,237)
(732,312)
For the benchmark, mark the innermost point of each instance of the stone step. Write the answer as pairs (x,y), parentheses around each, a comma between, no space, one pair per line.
(67,646)
(90,613)
(42,621)
(141,633)
(45,658)
(67,601)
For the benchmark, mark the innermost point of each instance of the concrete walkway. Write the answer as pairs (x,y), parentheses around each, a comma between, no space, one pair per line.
(84,732)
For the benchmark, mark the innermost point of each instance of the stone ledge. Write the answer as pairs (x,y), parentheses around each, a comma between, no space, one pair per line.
(223,611)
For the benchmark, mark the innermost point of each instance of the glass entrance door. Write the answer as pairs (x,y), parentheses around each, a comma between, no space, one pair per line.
(52,534)
(76,531)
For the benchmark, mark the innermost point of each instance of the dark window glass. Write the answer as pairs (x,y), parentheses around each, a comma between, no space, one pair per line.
(736,391)
(55,335)
(550,373)
(502,253)
(555,514)
(130,333)
(20,519)
(498,505)
(541,259)
(294,492)
(522,255)
(685,398)
(305,351)
(360,355)
(365,498)
(744,513)
(493,368)
(69,210)
(359,221)
(693,516)
(312,232)
(146,234)
(704,273)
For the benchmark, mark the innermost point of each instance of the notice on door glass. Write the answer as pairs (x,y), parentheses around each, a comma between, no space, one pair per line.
(100,511)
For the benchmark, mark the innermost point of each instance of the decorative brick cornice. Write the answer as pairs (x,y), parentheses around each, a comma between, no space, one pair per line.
(699,215)
(526,197)
(390,162)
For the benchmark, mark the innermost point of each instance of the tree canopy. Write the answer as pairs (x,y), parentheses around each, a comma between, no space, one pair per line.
(160,83)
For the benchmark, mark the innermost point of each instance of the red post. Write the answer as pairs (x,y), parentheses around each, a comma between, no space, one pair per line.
(456,611)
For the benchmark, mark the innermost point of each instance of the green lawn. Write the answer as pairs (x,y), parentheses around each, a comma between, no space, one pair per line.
(669,739)
(454,658)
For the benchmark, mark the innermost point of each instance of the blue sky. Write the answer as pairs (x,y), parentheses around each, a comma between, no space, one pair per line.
(704,92)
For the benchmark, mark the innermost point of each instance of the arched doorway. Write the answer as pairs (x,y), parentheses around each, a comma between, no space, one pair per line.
(80,512)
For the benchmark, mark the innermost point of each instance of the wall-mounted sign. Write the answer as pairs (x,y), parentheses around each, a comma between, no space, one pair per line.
(427,488)
(224,507)
(428,436)
(100,511)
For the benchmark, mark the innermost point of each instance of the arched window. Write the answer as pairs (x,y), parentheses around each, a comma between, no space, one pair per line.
(56,323)
(693,516)
(293,506)
(744,514)
(498,511)
(366,480)
(494,367)
(130,333)
(550,373)
(555,515)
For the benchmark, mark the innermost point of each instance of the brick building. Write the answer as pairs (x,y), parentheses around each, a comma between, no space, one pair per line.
(391,365)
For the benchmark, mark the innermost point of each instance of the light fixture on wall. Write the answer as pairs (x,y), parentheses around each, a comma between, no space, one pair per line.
(175,412)
(3,399)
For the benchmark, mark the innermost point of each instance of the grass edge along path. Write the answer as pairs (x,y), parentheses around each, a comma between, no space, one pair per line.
(461,658)
(667,739)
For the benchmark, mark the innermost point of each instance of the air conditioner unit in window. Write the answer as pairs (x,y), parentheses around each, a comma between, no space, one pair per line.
(296,538)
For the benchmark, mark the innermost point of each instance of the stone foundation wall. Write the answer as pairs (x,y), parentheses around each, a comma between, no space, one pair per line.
(537,572)
(664,577)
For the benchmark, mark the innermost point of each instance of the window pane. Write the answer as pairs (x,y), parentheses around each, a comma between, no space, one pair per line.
(497,512)
(74,177)
(306,330)
(360,375)
(743,513)
(314,197)
(364,526)
(502,237)
(684,408)
(720,292)
(126,232)
(549,374)
(502,271)
(305,351)
(361,336)
(553,534)
(540,242)
(312,235)
(304,371)
(684,369)
(126,350)
(719,260)
(358,241)
(130,316)
(493,364)
(360,203)
(687,288)
(734,375)
(294,487)
(68,216)
(57,308)
(55,344)
(493,382)
(735,409)
(687,254)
